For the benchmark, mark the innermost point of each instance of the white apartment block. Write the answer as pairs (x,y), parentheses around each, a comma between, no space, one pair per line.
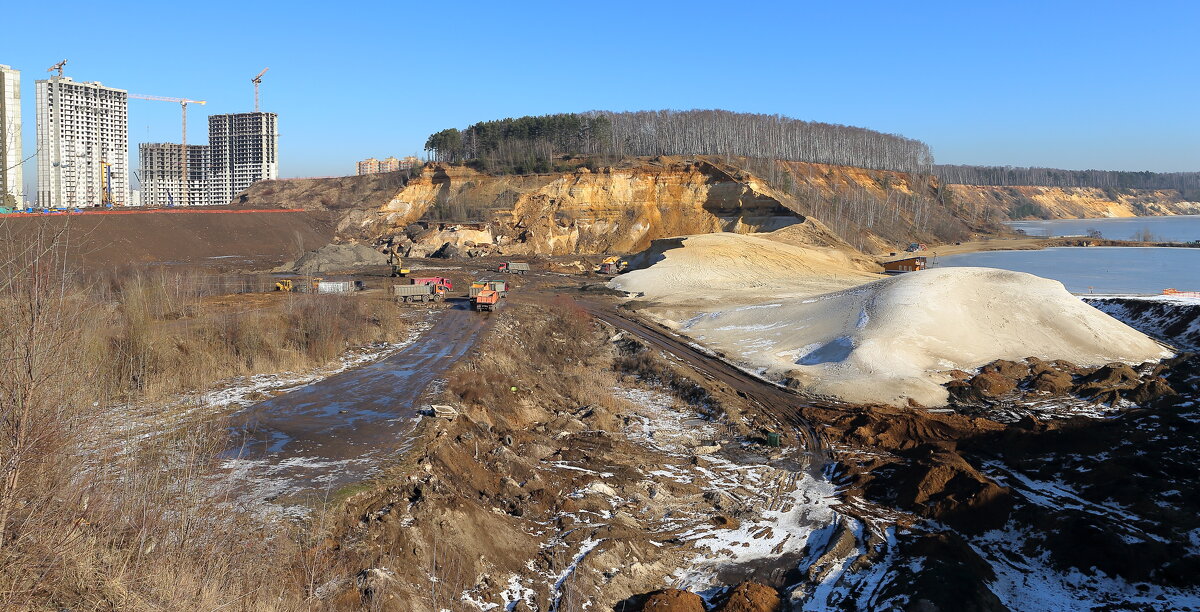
(81,128)
(12,179)
(159,171)
(243,149)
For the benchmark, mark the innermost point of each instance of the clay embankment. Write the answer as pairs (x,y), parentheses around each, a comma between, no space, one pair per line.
(233,239)
(800,315)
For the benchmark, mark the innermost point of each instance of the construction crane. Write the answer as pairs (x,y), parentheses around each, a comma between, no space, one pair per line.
(58,67)
(256,80)
(183,165)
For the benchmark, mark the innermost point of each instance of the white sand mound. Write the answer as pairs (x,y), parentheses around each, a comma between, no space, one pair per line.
(720,267)
(884,341)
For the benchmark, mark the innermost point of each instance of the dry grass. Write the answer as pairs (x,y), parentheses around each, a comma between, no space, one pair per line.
(142,524)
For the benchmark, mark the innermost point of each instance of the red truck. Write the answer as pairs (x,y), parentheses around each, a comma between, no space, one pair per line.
(434,280)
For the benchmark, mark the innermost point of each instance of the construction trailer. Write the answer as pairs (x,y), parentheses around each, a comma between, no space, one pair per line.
(909,264)
(513,267)
(409,294)
(325,286)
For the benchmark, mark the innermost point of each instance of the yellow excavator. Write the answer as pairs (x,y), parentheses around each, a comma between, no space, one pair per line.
(395,262)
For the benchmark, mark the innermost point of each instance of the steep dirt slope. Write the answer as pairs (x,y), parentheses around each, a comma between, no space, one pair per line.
(622,207)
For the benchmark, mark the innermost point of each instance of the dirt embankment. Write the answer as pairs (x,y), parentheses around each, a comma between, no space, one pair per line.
(620,206)
(1033,202)
(233,240)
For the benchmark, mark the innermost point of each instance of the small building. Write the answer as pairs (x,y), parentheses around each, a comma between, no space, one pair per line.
(909,264)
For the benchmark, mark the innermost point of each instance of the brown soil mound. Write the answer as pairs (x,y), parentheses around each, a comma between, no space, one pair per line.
(752,597)
(235,240)
(673,600)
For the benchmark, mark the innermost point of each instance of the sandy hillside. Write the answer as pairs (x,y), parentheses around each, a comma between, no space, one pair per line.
(806,314)
(726,266)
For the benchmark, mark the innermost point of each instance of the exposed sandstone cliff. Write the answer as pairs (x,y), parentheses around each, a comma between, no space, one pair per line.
(1071,202)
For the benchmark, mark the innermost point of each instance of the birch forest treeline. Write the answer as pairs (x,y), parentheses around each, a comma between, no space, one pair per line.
(1009,176)
(532,144)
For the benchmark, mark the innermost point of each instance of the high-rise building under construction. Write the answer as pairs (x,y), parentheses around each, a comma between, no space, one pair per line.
(83,143)
(243,149)
(12,187)
(159,174)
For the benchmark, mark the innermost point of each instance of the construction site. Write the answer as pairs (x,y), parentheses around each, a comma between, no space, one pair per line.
(629,383)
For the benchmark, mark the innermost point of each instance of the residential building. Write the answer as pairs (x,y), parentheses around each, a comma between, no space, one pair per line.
(243,149)
(83,143)
(12,185)
(391,164)
(159,170)
(368,166)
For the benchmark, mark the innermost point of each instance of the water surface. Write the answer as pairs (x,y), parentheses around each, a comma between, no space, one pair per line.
(1172,228)
(1096,269)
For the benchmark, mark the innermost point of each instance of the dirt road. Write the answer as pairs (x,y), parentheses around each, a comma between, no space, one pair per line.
(777,402)
(318,438)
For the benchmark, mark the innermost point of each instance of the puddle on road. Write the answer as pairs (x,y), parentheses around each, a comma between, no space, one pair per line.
(318,438)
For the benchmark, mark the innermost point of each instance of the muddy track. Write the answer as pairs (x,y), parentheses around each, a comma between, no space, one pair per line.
(781,405)
(339,430)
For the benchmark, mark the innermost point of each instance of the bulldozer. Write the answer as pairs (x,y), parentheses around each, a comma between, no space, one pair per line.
(284,285)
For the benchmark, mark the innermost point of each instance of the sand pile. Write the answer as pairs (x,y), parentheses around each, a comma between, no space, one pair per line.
(884,341)
(724,267)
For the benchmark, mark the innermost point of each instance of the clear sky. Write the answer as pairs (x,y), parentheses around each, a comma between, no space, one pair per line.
(1108,85)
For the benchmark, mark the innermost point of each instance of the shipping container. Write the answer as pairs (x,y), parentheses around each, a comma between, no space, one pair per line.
(335,286)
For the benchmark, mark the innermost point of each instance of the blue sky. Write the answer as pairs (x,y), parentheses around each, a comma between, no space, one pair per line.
(1110,85)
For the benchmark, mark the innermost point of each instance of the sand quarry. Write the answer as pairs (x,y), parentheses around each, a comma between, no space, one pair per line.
(824,319)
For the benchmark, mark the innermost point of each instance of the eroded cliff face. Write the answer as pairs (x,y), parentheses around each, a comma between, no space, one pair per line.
(609,210)
(1071,202)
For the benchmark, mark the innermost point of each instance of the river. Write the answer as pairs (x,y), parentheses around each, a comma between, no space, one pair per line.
(1173,228)
(1096,269)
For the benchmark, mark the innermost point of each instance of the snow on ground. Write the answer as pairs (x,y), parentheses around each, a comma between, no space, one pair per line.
(1175,319)
(884,341)
(230,396)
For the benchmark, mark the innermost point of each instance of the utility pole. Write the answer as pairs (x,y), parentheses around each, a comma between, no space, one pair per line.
(183,152)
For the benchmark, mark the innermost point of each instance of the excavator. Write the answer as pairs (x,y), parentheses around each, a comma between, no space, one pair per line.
(396,263)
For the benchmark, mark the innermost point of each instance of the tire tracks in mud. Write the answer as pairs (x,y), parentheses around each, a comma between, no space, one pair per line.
(778,403)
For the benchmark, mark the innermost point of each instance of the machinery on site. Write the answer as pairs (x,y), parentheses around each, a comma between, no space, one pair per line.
(398,269)
(485,300)
(184,169)
(285,285)
(499,286)
(611,265)
(418,293)
(513,267)
(441,281)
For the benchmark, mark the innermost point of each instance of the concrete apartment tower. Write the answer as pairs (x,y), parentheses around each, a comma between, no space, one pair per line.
(12,179)
(243,149)
(83,143)
(159,173)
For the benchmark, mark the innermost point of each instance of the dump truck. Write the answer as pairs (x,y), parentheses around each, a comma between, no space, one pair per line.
(485,300)
(417,293)
(434,280)
(513,267)
(611,265)
(498,286)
